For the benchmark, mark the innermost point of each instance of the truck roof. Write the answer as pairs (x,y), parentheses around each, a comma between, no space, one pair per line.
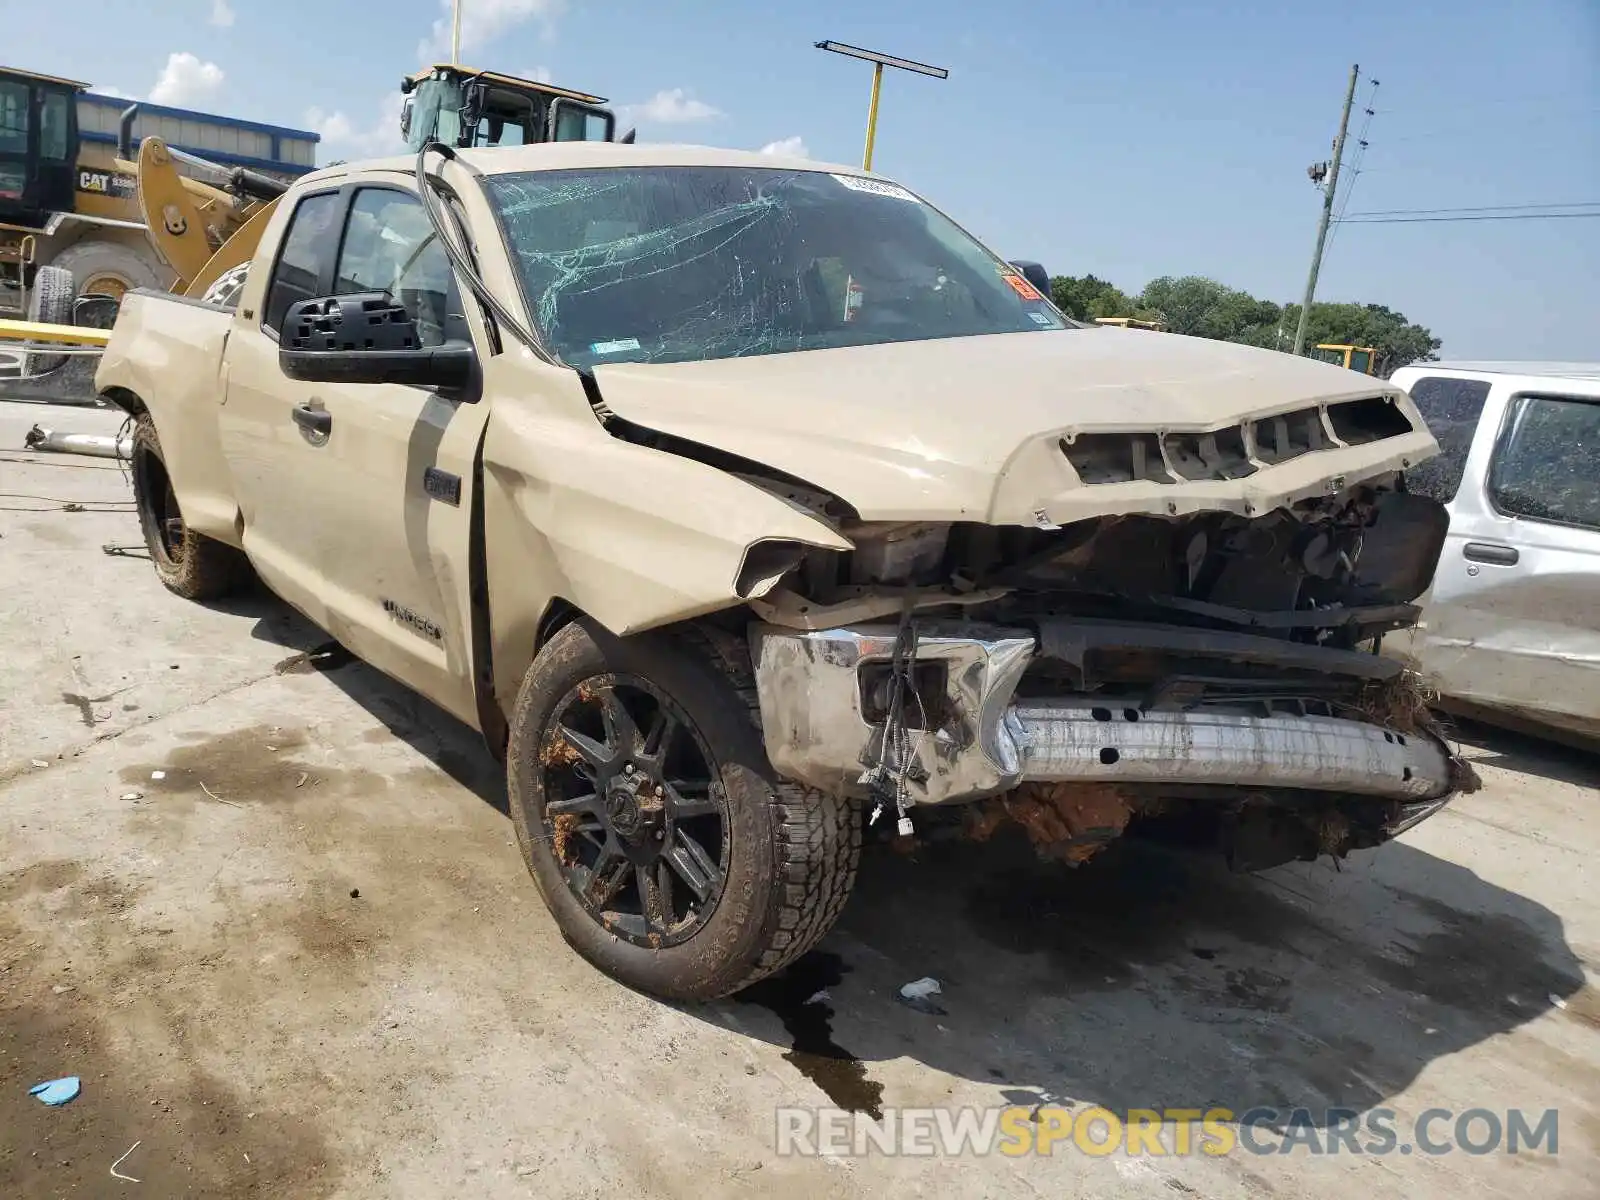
(41,77)
(566,156)
(515,81)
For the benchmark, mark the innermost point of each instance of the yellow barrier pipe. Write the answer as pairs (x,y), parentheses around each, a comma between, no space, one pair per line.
(60,335)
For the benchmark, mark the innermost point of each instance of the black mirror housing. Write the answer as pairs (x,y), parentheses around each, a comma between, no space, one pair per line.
(1035,274)
(366,338)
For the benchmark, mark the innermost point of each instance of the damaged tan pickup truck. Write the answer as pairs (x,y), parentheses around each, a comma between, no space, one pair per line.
(743,502)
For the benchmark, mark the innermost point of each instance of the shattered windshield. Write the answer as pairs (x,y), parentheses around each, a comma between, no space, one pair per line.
(680,264)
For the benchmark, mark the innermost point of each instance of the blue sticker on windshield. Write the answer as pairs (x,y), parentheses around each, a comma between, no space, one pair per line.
(616,347)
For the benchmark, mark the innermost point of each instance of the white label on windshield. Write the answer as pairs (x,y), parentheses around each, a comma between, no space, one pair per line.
(877,187)
(616,347)
(1040,318)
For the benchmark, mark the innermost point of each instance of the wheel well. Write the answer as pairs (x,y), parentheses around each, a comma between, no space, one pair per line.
(127,401)
(557,615)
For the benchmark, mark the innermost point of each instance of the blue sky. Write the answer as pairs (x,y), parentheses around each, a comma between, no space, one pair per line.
(1128,139)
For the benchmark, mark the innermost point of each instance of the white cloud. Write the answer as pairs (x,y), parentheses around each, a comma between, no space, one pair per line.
(186,81)
(484,20)
(113,91)
(789,147)
(539,74)
(671,106)
(221,14)
(344,139)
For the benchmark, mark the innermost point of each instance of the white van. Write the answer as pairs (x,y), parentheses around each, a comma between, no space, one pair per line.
(1511,625)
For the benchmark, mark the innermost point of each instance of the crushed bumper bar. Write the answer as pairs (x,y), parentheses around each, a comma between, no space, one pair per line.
(1062,741)
(816,730)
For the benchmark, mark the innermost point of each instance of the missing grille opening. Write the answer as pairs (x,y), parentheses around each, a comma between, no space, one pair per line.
(1216,455)
(1371,420)
(1116,457)
(1288,435)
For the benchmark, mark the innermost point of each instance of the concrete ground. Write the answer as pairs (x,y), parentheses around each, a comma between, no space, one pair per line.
(308,961)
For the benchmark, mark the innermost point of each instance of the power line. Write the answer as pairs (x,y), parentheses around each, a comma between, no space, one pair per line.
(1355,167)
(1471,208)
(1555,216)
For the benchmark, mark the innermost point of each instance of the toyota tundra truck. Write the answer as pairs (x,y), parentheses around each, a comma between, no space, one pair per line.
(747,504)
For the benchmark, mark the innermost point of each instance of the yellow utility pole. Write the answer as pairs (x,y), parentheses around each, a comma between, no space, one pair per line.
(872,116)
(879,62)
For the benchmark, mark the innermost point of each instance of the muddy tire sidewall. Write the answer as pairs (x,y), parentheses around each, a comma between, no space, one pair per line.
(201,569)
(721,956)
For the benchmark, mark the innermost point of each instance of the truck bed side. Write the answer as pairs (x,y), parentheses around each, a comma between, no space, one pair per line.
(165,357)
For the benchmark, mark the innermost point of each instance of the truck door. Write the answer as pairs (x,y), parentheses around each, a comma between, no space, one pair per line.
(1512,621)
(357,497)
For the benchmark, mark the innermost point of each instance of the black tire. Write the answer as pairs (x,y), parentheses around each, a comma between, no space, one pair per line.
(50,301)
(187,563)
(109,268)
(787,858)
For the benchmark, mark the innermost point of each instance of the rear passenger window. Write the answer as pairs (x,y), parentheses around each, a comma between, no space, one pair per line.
(300,261)
(1547,467)
(1451,408)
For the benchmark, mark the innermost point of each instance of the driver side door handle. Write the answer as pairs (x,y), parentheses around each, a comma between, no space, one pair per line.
(1490,552)
(317,421)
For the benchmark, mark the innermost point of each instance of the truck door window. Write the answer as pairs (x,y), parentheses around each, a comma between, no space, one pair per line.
(53,127)
(1451,408)
(1544,468)
(13,118)
(300,261)
(389,246)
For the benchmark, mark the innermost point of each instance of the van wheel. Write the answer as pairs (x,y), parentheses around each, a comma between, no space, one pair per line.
(192,565)
(669,853)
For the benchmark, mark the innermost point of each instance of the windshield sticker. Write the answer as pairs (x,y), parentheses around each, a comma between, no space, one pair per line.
(1022,287)
(616,347)
(877,187)
(1040,318)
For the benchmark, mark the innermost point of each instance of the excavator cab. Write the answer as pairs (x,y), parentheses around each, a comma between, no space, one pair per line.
(462,106)
(38,146)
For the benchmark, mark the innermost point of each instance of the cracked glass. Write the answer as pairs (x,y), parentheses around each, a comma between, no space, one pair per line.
(680,264)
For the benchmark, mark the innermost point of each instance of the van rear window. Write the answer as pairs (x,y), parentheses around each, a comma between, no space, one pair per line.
(1451,408)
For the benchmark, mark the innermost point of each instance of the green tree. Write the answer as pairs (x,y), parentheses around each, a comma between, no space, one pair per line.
(1205,308)
(1087,297)
(1201,307)
(1396,340)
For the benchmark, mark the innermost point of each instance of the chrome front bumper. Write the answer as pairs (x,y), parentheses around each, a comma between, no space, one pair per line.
(812,717)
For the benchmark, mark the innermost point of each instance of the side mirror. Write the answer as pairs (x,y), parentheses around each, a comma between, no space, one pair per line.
(1035,274)
(366,338)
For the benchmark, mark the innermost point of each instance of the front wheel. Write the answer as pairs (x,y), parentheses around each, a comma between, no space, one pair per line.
(670,855)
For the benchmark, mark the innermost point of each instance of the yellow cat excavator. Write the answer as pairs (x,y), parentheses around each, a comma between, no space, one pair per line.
(207,231)
(205,220)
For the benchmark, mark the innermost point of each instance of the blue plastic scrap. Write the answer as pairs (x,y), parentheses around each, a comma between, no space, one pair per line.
(56,1091)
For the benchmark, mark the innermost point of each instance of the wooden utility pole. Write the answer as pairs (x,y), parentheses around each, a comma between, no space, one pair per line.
(1328,191)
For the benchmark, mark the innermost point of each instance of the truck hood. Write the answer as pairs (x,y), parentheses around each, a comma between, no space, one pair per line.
(977,428)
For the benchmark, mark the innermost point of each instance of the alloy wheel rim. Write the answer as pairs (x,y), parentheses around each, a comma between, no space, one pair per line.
(634,810)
